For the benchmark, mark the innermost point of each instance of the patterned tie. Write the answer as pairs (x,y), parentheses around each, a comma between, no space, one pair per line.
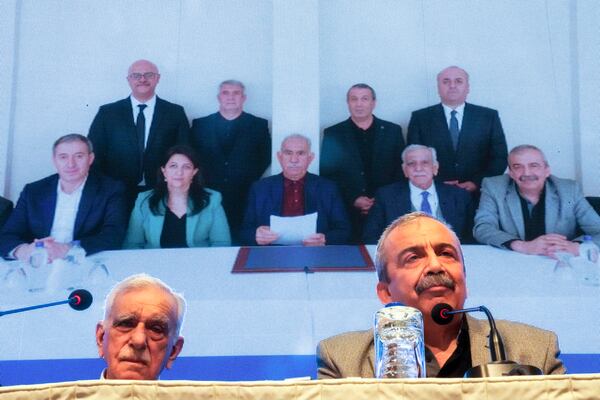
(425,206)
(140,126)
(454,128)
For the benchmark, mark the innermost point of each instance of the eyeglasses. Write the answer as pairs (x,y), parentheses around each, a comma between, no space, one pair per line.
(147,75)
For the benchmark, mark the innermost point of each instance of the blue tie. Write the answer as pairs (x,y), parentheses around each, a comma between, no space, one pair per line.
(454,128)
(425,206)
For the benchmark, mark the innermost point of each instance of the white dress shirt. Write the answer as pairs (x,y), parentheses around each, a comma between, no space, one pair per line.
(460,111)
(148,114)
(416,198)
(65,213)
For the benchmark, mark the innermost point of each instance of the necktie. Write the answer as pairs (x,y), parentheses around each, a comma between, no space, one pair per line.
(454,128)
(140,125)
(425,206)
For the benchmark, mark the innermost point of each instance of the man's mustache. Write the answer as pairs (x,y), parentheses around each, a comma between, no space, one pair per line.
(437,279)
(528,178)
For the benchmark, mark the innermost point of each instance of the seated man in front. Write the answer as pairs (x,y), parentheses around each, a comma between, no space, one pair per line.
(531,211)
(448,203)
(73,204)
(419,263)
(295,192)
(139,335)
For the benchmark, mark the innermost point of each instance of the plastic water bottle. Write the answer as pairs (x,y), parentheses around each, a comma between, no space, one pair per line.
(76,253)
(39,256)
(38,268)
(399,343)
(589,250)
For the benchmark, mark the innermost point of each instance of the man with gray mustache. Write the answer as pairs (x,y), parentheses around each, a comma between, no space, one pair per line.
(139,335)
(531,211)
(420,264)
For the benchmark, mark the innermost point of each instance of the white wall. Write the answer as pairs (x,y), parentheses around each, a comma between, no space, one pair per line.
(534,61)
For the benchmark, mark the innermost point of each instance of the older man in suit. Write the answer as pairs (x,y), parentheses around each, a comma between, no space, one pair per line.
(131,136)
(531,211)
(447,203)
(295,192)
(361,154)
(70,205)
(419,263)
(469,139)
(234,148)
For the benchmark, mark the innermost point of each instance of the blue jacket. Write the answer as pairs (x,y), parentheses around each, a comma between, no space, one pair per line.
(320,195)
(100,222)
(208,228)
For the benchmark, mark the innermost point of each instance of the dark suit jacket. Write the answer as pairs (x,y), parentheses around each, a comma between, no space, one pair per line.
(341,162)
(320,195)
(393,201)
(232,173)
(6,207)
(100,223)
(114,136)
(352,354)
(481,149)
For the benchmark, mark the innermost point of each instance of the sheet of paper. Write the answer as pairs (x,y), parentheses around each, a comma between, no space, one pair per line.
(292,230)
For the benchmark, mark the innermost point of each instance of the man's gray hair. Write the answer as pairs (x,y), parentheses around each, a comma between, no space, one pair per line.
(142,281)
(73,137)
(380,256)
(413,147)
(296,136)
(361,86)
(525,147)
(233,82)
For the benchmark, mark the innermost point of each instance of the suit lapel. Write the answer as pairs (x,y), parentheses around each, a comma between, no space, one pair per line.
(466,130)
(48,204)
(478,339)
(552,206)
(156,121)
(441,125)
(513,204)
(446,206)
(310,195)
(85,203)
(277,194)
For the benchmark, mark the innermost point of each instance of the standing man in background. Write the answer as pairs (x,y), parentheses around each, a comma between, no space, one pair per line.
(130,136)
(469,139)
(361,154)
(234,148)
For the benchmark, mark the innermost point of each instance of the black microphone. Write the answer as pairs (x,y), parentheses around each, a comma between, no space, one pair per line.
(442,314)
(79,299)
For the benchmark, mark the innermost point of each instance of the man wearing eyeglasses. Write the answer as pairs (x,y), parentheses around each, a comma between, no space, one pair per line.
(131,135)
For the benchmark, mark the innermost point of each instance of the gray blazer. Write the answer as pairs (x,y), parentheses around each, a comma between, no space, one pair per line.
(352,354)
(500,218)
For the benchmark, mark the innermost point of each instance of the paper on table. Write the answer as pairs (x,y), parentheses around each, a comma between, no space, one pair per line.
(292,230)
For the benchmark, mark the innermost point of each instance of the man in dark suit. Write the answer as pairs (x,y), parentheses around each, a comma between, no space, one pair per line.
(6,207)
(361,154)
(469,139)
(420,264)
(129,144)
(234,148)
(295,192)
(70,205)
(445,202)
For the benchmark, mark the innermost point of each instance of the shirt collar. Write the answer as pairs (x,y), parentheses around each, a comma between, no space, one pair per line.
(135,102)
(77,191)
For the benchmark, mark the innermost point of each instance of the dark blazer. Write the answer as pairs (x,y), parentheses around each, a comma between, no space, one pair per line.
(232,173)
(481,149)
(6,207)
(114,136)
(320,195)
(393,201)
(100,223)
(341,162)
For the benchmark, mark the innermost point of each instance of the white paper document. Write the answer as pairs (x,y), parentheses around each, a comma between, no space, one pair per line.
(292,230)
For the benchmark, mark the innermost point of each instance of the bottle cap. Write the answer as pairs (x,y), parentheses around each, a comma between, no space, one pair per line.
(587,237)
(39,245)
(395,304)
